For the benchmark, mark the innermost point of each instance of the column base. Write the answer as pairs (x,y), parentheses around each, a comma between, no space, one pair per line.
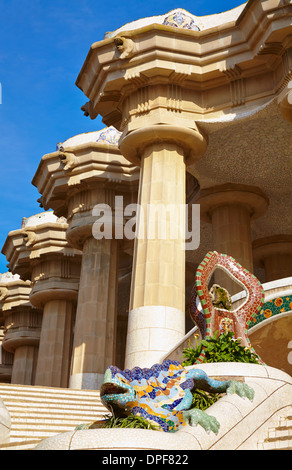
(86,381)
(152,332)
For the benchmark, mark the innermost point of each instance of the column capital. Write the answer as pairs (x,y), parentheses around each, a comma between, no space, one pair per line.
(269,246)
(41,253)
(191,140)
(21,320)
(85,207)
(83,163)
(251,197)
(205,68)
(86,170)
(14,293)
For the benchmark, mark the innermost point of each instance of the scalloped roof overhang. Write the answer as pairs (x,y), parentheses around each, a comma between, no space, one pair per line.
(255,44)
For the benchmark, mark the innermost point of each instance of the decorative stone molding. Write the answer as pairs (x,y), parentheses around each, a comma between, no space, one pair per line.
(99,165)
(125,46)
(29,237)
(88,110)
(68,159)
(39,219)
(250,197)
(22,327)
(3,293)
(46,240)
(192,141)
(237,85)
(254,55)
(14,293)
(274,254)
(277,244)
(9,277)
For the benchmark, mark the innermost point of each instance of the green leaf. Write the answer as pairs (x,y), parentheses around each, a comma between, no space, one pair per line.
(221,348)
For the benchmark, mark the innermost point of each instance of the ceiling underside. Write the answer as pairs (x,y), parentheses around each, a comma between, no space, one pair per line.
(255,150)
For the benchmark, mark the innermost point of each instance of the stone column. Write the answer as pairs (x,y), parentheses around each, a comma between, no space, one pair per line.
(41,253)
(95,328)
(55,290)
(56,343)
(274,254)
(22,330)
(6,358)
(157,318)
(25,360)
(125,275)
(230,208)
(88,170)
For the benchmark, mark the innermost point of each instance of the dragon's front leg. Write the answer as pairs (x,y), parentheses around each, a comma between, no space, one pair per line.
(203,382)
(195,417)
(240,388)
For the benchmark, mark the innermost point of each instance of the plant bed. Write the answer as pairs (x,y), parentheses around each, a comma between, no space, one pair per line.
(222,348)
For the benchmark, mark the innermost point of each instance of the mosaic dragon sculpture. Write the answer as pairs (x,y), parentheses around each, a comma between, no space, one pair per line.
(162,394)
(210,314)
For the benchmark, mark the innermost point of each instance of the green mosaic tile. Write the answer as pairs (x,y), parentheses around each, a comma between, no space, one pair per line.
(273,307)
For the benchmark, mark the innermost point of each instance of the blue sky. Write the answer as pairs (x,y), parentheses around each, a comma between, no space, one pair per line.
(43,45)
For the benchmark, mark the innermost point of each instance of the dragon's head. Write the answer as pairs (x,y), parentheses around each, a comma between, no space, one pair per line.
(116,393)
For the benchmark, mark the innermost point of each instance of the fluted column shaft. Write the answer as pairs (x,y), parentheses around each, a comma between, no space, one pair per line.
(22,324)
(55,291)
(159,258)
(157,318)
(24,365)
(55,343)
(232,235)
(94,338)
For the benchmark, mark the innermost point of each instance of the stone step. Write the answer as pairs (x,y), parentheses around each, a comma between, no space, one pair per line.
(57,411)
(280,432)
(27,390)
(278,437)
(23,445)
(14,404)
(41,412)
(24,422)
(278,444)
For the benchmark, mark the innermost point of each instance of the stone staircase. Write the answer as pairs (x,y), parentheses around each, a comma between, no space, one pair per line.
(40,412)
(280,436)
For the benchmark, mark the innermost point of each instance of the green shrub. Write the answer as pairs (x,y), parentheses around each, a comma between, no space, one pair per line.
(130,421)
(202,400)
(219,349)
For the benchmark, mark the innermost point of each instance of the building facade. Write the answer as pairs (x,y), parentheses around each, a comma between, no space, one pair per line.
(198,113)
